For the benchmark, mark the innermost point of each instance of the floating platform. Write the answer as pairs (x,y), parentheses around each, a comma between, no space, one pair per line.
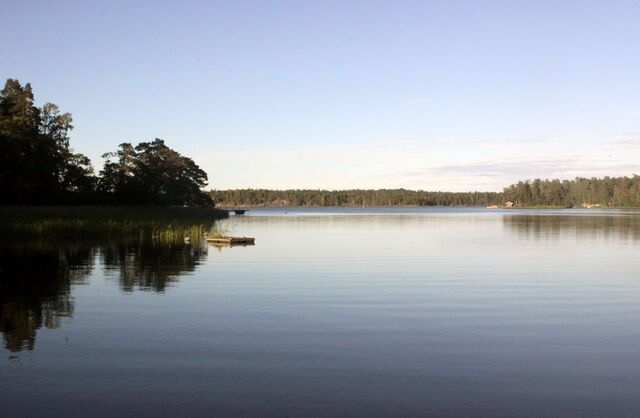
(232,240)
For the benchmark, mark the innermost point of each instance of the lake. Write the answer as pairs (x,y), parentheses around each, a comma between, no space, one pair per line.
(334,312)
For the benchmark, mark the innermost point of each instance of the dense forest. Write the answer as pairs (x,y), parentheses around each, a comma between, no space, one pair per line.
(383,197)
(605,192)
(38,165)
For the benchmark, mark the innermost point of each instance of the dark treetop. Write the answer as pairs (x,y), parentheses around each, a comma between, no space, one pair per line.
(38,166)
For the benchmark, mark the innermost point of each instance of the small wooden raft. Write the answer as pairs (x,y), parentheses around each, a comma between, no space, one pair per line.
(232,240)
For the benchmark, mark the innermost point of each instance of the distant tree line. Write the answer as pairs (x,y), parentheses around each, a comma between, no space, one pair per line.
(38,166)
(382,197)
(606,192)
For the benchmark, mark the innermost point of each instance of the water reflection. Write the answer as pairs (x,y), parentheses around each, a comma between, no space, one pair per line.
(447,314)
(36,279)
(151,267)
(36,289)
(617,225)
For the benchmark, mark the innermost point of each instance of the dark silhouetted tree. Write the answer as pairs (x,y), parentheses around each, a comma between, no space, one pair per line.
(37,165)
(152,173)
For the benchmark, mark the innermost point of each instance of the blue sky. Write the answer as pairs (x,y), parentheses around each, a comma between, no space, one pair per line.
(437,95)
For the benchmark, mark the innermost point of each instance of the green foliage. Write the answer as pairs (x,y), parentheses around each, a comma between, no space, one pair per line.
(606,192)
(152,173)
(37,165)
(382,197)
(167,224)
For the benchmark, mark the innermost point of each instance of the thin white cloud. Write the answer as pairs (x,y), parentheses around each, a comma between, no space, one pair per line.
(497,173)
(556,167)
(454,164)
(632,142)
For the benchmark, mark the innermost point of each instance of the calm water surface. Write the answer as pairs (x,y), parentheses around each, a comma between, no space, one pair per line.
(334,312)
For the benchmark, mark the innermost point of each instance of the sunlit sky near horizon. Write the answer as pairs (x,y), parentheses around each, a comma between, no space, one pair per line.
(434,95)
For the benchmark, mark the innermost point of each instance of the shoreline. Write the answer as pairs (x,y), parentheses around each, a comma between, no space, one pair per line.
(230,206)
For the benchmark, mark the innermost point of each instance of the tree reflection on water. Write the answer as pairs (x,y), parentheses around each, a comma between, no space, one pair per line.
(36,279)
(623,225)
(152,267)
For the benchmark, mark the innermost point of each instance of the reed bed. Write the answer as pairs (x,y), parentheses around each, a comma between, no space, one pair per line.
(167,224)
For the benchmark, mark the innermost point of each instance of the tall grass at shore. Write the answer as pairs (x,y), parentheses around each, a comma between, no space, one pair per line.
(165,224)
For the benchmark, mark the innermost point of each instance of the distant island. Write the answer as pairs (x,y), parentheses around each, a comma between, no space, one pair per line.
(621,192)
(353,198)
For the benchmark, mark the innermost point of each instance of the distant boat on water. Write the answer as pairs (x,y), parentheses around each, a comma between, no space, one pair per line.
(236,211)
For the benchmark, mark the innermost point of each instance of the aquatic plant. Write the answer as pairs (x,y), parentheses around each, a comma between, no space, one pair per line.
(167,224)
(219,230)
